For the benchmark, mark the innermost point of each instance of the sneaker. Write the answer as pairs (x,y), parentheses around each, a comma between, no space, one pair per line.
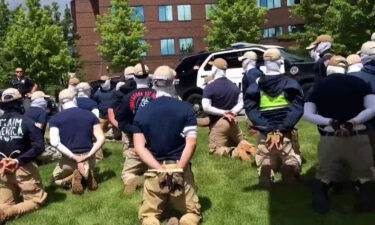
(92,185)
(320,202)
(173,221)
(132,185)
(77,187)
(265,178)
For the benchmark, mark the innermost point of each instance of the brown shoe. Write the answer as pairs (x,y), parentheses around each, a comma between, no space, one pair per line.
(173,221)
(3,219)
(92,185)
(265,179)
(246,151)
(132,185)
(77,187)
(289,174)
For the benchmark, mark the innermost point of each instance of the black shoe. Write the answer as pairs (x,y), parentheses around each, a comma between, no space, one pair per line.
(320,202)
(366,197)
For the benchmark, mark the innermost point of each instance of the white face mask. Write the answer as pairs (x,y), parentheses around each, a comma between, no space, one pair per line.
(217,73)
(248,64)
(314,55)
(106,85)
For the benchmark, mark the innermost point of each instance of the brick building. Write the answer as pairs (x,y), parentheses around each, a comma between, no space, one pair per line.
(174,28)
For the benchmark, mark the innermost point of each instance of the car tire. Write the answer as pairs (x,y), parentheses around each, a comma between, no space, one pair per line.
(196,101)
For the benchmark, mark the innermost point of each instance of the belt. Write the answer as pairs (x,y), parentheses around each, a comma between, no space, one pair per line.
(353,133)
(166,162)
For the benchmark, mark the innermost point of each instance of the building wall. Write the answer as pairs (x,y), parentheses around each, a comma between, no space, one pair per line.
(84,12)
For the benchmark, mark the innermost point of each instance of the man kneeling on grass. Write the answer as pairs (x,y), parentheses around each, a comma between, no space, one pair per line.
(169,128)
(72,131)
(21,142)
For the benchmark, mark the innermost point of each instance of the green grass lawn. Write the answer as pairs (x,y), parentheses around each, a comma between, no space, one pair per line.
(227,190)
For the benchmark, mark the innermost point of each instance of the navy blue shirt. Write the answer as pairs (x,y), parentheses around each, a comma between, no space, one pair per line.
(37,114)
(339,96)
(104,100)
(223,94)
(76,128)
(162,122)
(129,106)
(249,77)
(86,103)
(17,132)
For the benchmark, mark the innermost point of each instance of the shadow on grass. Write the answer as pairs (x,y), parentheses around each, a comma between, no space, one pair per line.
(54,196)
(105,175)
(205,202)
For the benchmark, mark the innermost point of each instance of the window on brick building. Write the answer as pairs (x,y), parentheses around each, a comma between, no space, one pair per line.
(269,4)
(167,46)
(295,28)
(272,32)
(138,13)
(208,8)
(186,45)
(184,12)
(291,2)
(165,13)
(142,41)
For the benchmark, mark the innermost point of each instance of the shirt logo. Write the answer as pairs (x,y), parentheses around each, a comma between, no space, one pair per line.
(10,129)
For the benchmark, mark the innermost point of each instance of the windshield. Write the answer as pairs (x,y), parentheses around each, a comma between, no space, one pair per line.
(296,56)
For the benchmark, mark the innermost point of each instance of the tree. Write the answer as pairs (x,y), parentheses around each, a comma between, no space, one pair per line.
(350,22)
(234,21)
(121,36)
(37,45)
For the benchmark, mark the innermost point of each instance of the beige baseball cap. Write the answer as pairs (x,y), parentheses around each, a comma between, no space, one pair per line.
(66,94)
(73,81)
(83,86)
(138,70)
(104,78)
(368,48)
(248,55)
(10,94)
(338,61)
(38,94)
(353,59)
(129,70)
(163,73)
(272,54)
(320,38)
(219,63)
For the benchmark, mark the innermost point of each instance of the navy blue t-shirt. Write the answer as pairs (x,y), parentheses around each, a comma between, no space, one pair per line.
(104,100)
(76,128)
(86,103)
(223,94)
(162,122)
(37,114)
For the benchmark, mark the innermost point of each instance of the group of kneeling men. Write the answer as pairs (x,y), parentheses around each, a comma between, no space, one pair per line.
(160,131)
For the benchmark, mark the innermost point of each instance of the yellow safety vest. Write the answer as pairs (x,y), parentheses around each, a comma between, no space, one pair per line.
(269,103)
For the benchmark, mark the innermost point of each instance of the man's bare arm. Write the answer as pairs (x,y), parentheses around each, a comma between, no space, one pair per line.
(144,153)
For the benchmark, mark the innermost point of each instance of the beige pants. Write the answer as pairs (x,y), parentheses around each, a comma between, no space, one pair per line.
(355,152)
(65,167)
(288,155)
(155,200)
(104,124)
(25,182)
(133,166)
(49,155)
(224,137)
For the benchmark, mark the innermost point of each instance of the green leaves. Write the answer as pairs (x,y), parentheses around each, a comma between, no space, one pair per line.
(349,22)
(234,21)
(120,36)
(34,40)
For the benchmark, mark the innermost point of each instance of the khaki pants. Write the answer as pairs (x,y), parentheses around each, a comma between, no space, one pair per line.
(127,141)
(289,155)
(104,124)
(354,151)
(133,166)
(26,182)
(224,137)
(65,168)
(371,135)
(49,155)
(155,201)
